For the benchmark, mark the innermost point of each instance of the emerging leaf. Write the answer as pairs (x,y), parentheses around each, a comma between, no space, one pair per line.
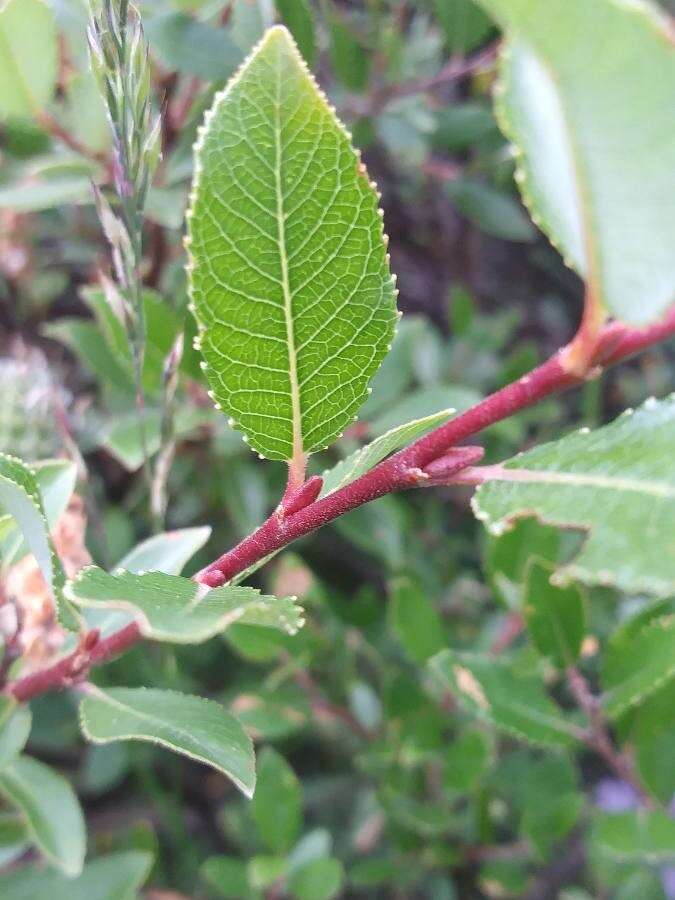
(200,729)
(51,811)
(616,483)
(587,93)
(289,275)
(176,609)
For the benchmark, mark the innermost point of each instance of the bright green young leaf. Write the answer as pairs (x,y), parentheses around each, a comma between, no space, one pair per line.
(27,34)
(297,17)
(415,620)
(168,552)
(587,93)
(489,688)
(176,609)
(646,836)
(640,668)
(616,483)
(197,728)
(51,811)
(118,876)
(289,275)
(277,805)
(15,722)
(362,460)
(20,497)
(554,615)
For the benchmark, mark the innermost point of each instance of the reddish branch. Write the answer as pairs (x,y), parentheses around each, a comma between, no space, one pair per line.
(405,469)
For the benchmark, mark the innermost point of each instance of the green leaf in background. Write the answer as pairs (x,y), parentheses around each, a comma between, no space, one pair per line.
(415,620)
(226,876)
(27,35)
(20,497)
(349,58)
(466,760)
(297,17)
(176,609)
(461,125)
(491,210)
(492,690)
(289,275)
(51,811)
(197,728)
(587,91)
(197,48)
(86,115)
(464,22)
(15,722)
(616,483)
(118,876)
(319,879)
(46,193)
(554,615)
(508,555)
(168,552)
(363,459)
(637,669)
(646,836)
(277,805)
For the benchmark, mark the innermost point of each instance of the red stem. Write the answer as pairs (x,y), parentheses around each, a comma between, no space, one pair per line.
(403,470)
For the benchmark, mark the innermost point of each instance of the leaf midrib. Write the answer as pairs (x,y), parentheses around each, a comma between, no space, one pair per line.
(582,479)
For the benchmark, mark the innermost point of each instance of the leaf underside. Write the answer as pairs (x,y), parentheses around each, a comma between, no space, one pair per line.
(586,94)
(289,275)
(617,483)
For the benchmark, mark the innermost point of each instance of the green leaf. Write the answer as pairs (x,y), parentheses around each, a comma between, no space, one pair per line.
(297,17)
(637,836)
(491,210)
(461,125)
(51,811)
(227,876)
(492,690)
(362,460)
(20,497)
(277,805)
(415,620)
(118,876)
(15,722)
(168,552)
(320,879)
(193,47)
(289,275)
(349,58)
(464,22)
(176,609)
(616,483)
(197,728)
(27,35)
(587,90)
(634,671)
(554,615)
(466,760)
(46,193)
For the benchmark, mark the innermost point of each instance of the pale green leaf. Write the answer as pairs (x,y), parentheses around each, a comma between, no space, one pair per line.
(616,483)
(27,35)
(46,193)
(587,93)
(637,668)
(118,876)
(363,459)
(554,615)
(167,552)
(491,689)
(319,879)
(277,805)
(193,47)
(20,497)
(176,609)
(51,811)
(646,836)
(289,275)
(197,728)
(15,722)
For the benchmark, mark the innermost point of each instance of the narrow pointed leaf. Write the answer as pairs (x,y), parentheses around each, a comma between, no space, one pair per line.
(616,483)
(363,459)
(171,608)
(489,688)
(197,728)
(289,276)
(587,93)
(51,811)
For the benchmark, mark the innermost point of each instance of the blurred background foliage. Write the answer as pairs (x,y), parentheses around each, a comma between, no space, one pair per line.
(373,780)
